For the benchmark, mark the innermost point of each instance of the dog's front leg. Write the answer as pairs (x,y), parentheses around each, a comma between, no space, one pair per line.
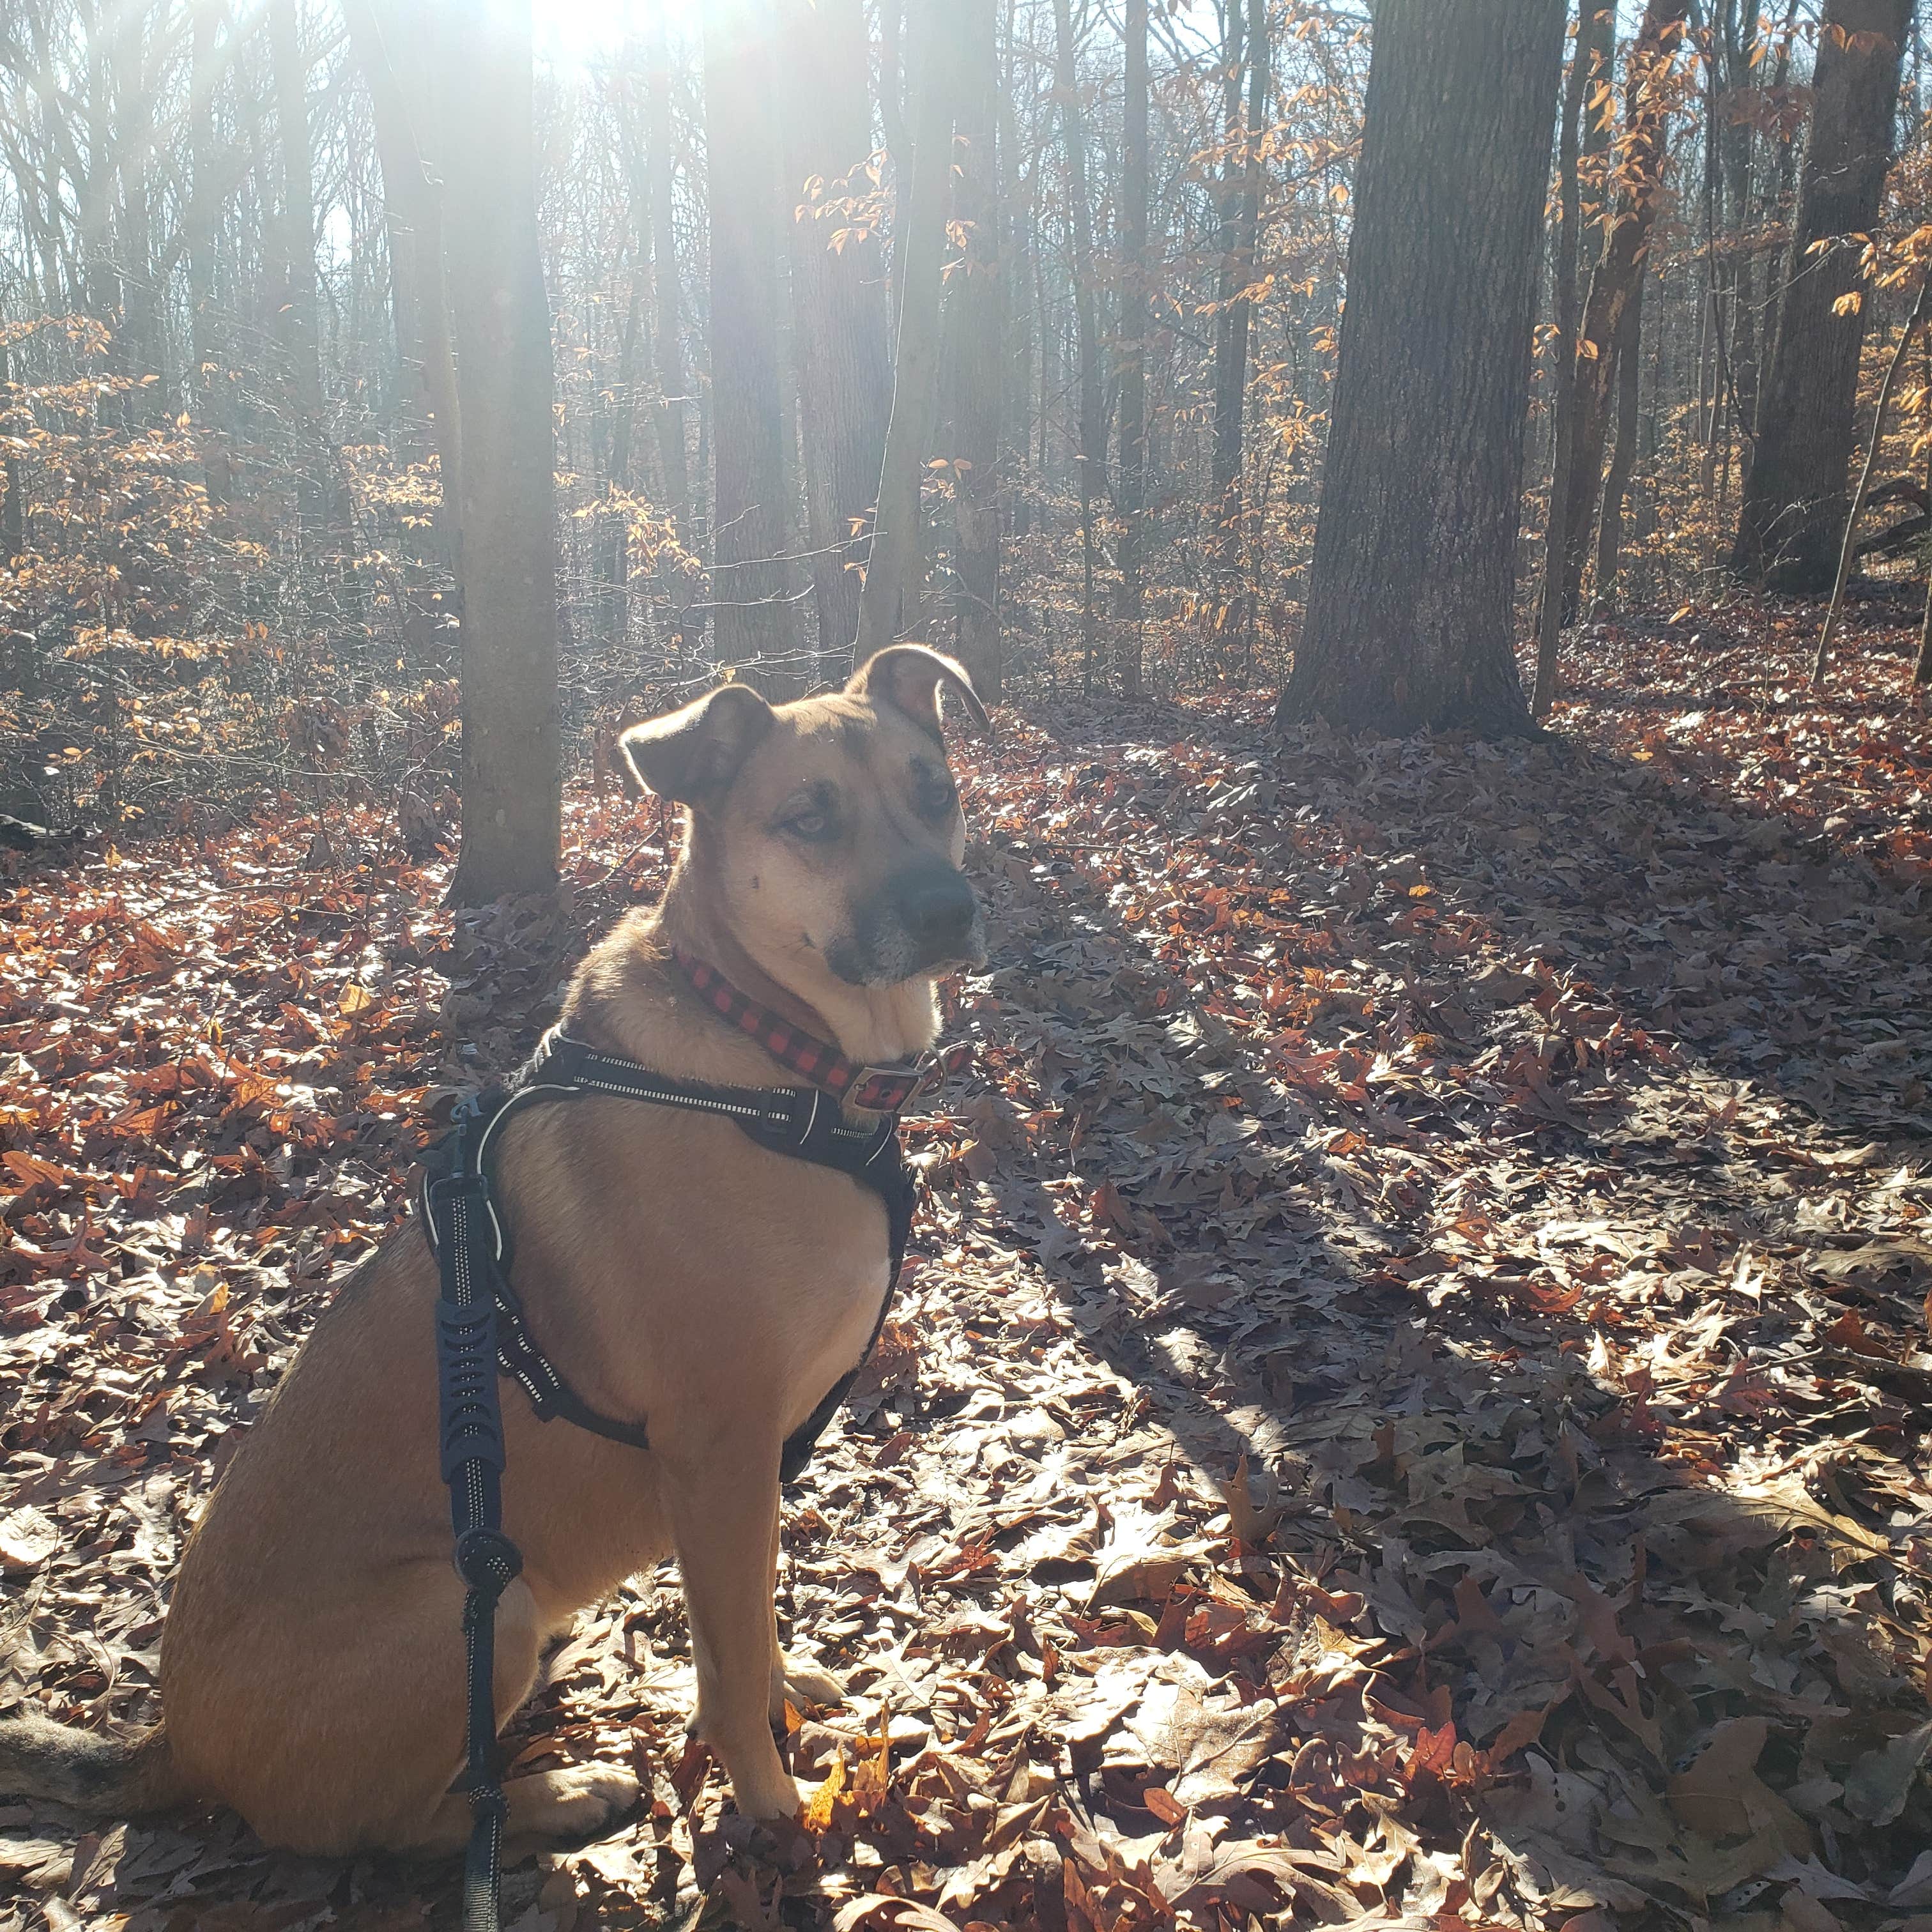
(722,1513)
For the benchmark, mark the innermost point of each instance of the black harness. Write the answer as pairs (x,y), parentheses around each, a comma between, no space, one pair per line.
(482,1332)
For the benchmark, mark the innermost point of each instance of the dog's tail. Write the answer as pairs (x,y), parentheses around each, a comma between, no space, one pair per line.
(119,1776)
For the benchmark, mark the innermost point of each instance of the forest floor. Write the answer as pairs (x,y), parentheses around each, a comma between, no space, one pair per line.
(1410,1409)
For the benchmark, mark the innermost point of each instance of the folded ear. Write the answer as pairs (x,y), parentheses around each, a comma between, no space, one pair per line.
(692,756)
(909,675)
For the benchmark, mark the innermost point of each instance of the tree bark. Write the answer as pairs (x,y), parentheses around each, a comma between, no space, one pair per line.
(1623,450)
(390,41)
(300,318)
(200,220)
(1092,452)
(1596,21)
(511,773)
(975,326)
(891,578)
(1135,324)
(1231,328)
(843,366)
(1643,156)
(656,199)
(1794,502)
(1409,620)
(748,519)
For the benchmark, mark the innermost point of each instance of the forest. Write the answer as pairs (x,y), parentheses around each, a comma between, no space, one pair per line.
(1406,1406)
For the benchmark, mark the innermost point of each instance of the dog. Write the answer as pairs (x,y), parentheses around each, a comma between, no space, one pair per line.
(311,1673)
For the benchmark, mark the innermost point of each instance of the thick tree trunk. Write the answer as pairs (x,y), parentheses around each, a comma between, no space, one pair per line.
(1409,621)
(891,577)
(748,519)
(1136,325)
(1596,23)
(843,366)
(1795,502)
(1642,157)
(976,324)
(512,775)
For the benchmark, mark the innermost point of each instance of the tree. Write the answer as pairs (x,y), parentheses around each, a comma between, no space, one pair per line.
(1092,454)
(511,773)
(1235,313)
(300,313)
(1136,322)
(1596,26)
(839,294)
(975,324)
(891,577)
(389,38)
(656,204)
(1408,622)
(1643,154)
(748,519)
(1794,504)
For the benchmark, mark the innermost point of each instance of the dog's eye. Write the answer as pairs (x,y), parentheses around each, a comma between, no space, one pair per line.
(811,826)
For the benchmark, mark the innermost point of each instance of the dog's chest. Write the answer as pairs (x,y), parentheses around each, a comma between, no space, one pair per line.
(827,1311)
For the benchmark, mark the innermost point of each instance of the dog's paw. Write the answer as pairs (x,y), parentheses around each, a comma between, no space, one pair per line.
(804,1686)
(582,1802)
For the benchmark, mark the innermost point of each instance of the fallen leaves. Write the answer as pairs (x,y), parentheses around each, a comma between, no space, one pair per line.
(1411,1411)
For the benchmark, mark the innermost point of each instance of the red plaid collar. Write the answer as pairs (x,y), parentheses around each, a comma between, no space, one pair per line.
(879,1089)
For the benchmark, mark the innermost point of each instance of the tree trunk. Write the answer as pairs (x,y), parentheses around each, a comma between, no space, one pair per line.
(1232,323)
(1623,451)
(511,799)
(748,519)
(843,366)
(1136,323)
(1794,503)
(976,324)
(202,220)
(1596,21)
(1409,621)
(1643,156)
(656,199)
(892,577)
(1092,453)
(391,40)
(300,318)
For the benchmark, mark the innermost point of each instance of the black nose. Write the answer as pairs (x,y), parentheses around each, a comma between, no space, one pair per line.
(938,908)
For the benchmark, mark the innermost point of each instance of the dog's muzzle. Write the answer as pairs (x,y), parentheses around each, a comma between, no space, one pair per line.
(925,916)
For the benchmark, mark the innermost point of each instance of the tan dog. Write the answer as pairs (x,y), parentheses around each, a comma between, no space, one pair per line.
(672,1270)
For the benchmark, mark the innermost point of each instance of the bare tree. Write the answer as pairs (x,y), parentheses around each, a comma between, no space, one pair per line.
(838,290)
(748,519)
(975,326)
(892,577)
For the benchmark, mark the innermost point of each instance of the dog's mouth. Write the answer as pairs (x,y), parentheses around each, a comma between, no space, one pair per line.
(897,960)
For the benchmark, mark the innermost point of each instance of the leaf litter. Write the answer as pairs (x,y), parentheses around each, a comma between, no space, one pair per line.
(1409,1410)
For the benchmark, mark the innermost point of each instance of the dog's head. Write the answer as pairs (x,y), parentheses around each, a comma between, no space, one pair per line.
(826,839)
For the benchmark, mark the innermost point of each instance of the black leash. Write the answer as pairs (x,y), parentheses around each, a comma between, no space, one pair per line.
(456,1204)
(482,1330)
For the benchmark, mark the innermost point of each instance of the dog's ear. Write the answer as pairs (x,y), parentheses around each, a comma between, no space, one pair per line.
(692,756)
(910,676)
